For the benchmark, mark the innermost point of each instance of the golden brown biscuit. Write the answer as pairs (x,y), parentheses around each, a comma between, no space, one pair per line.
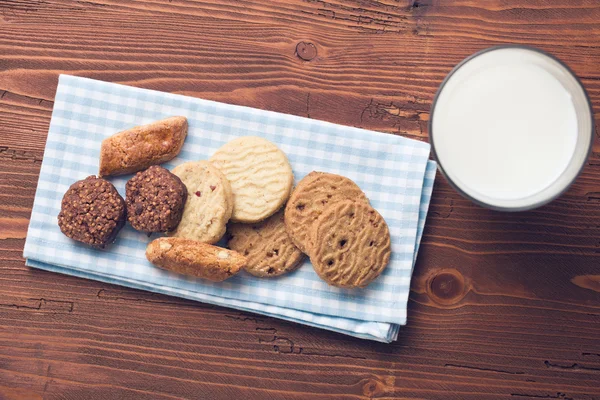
(351,244)
(313,193)
(190,257)
(266,245)
(138,148)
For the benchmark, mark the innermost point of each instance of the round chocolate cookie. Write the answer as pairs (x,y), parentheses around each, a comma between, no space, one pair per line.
(92,212)
(155,200)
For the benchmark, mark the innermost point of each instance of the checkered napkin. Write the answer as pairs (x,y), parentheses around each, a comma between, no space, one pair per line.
(393,171)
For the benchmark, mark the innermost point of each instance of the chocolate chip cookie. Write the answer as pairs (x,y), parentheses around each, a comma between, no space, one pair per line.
(351,244)
(266,245)
(313,193)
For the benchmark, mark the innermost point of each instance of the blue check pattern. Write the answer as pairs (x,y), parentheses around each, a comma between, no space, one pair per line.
(393,171)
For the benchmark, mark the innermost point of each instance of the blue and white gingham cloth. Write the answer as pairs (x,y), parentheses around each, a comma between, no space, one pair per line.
(393,171)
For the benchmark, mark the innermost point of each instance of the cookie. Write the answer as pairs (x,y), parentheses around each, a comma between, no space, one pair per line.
(351,244)
(313,193)
(138,148)
(190,257)
(209,203)
(155,199)
(266,245)
(92,212)
(260,175)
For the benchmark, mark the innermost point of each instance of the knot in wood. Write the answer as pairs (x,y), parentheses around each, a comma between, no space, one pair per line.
(447,286)
(373,387)
(306,51)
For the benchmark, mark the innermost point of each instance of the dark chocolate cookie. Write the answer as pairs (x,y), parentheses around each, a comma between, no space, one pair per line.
(92,212)
(155,200)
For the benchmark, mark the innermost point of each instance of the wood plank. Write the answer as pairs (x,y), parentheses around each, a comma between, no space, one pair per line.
(502,306)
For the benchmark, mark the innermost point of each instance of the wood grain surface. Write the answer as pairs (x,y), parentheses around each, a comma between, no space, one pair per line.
(503,306)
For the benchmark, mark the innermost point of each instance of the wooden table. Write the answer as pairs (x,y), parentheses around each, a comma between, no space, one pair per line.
(503,306)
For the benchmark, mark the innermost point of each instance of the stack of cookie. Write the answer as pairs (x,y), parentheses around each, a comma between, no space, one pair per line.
(93,212)
(329,218)
(242,189)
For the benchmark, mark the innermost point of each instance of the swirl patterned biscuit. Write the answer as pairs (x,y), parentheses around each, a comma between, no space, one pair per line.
(209,203)
(266,245)
(352,244)
(260,175)
(313,193)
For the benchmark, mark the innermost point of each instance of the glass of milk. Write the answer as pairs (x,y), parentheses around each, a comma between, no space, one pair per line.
(511,128)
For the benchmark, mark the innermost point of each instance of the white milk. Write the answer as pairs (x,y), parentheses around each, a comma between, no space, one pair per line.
(504,128)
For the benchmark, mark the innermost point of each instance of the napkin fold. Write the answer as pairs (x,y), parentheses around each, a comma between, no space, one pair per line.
(393,171)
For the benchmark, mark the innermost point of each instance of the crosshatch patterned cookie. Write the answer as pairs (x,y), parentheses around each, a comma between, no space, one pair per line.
(260,175)
(266,245)
(352,244)
(313,193)
(209,202)
(190,257)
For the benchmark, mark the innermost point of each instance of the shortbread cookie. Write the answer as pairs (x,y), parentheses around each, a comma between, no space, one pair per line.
(155,200)
(266,245)
(137,148)
(209,204)
(260,175)
(313,193)
(351,244)
(190,257)
(92,212)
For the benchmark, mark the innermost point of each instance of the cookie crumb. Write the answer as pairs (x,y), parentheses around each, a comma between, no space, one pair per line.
(164,245)
(223,255)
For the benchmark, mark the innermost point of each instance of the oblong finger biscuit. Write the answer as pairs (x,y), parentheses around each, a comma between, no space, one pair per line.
(312,194)
(138,148)
(266,245)
(209,203)
(260,175)
(190,257)
(351,244)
